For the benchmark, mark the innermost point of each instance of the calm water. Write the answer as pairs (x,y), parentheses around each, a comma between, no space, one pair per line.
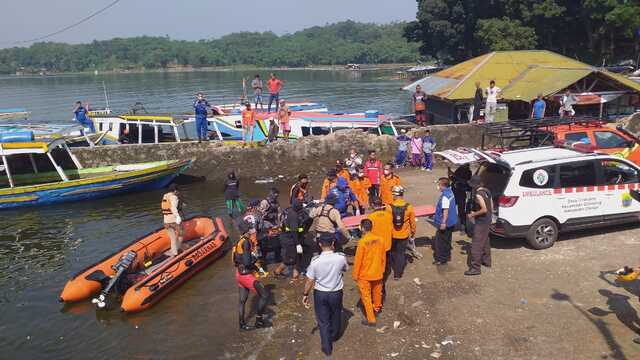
(40,248)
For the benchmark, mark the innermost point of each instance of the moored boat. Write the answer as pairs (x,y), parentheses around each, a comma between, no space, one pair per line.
(34,175)
(148,274)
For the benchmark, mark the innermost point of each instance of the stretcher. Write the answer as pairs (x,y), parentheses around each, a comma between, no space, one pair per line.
(352,222)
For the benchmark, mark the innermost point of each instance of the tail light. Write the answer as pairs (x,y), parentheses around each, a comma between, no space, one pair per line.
(507,201)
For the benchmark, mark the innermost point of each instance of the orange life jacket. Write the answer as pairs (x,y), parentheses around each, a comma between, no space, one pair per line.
(248,118)
(238,249)
(301,192)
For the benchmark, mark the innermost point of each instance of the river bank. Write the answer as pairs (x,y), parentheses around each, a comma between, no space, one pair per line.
(192,69)
(530,305)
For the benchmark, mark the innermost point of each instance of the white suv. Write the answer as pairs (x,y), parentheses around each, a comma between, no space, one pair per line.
(542,191)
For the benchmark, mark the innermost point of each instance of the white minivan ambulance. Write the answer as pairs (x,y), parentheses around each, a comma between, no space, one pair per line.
(542,191)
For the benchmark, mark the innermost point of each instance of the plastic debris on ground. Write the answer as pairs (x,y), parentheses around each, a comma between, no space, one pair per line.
(381,330)
(417,281)
(396,324)
(436,355)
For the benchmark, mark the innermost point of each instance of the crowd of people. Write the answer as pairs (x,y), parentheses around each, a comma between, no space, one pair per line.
(422,148)
(307,239)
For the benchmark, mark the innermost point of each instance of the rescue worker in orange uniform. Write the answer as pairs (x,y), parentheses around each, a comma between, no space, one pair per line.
(341,170)
(328,183)
(403,219)
(172,217)
(382,227)
(368,270)
(360,185)
(387,182)
(245,258)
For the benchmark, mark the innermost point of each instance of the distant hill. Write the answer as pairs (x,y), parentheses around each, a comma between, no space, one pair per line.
(334,44)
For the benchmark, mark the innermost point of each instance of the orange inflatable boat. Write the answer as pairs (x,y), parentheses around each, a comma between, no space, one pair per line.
(143,273)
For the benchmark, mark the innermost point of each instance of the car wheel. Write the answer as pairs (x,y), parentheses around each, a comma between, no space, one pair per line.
(542,234)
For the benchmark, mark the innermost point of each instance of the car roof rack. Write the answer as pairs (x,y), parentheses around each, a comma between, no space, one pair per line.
(524,133)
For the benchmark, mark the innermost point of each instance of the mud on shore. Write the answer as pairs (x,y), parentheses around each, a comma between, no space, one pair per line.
(558,303)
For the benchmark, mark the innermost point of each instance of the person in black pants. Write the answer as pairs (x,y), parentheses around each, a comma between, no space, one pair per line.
(481,213)
(445,220)
(459,179)
(324,275)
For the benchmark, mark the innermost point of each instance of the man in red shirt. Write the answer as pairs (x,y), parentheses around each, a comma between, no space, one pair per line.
(275,85)
(373,170)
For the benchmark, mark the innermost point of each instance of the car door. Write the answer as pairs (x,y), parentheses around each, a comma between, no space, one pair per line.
(618,178)
(577,203)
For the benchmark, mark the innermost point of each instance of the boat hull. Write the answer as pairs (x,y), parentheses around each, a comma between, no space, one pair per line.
(209,236)
(87,189)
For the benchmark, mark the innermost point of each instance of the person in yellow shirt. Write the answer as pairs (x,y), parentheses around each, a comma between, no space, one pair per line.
(368,270)
(360,185)
(404,227)
(382,227)
(387,182)
(328,183)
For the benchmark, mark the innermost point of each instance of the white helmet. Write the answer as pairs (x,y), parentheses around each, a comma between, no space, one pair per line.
(397,190)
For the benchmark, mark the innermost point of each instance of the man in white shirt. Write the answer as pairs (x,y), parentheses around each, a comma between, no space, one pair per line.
(324,275)
(566,104)
(493,92)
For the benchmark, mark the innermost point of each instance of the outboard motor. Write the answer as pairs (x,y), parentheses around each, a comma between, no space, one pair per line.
(121,267)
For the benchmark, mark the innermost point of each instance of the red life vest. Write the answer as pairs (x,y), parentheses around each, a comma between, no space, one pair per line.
(374,171)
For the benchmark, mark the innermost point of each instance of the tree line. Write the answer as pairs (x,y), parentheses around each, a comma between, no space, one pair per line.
(333,44)
(594,31)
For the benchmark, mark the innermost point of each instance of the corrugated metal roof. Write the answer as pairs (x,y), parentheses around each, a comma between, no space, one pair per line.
(521,75)
(543,80)
(432,85)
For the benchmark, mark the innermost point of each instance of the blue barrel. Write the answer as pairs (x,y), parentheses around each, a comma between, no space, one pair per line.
(16,136)
(371,114)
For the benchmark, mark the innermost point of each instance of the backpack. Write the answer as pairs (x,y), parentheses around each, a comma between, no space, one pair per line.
(397,213)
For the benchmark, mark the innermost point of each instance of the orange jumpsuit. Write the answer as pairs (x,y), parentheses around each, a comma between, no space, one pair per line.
(360,188)
(344,173)
(382,226)
(386,184)
(368,270)
(408,228)
(326,186)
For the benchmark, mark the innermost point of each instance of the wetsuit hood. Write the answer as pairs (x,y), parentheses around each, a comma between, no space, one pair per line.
(342,183)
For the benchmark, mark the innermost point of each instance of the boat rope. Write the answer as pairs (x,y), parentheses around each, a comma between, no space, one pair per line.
(81,21)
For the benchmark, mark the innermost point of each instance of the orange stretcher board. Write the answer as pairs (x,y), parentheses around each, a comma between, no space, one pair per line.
(353,222)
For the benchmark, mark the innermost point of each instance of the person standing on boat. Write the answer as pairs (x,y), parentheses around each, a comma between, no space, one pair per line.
(245,257)
(248,124)
(201,106)
(275,86)
(232,194)
(80,113)
(283,120)
(478,99)
(171,212)
(256,84)
(419,102)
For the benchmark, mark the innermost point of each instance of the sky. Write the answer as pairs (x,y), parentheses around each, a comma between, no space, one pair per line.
(185,19)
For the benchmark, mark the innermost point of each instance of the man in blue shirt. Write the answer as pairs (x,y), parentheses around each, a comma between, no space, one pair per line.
(538,109)
(445,220)
(81,116)
(344,196)
(201,105)
(403,147)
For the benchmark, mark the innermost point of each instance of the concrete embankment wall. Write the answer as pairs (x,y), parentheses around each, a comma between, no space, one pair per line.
(311,155)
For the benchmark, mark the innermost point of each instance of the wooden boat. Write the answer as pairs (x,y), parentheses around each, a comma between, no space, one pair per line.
(41,179)
(151,274)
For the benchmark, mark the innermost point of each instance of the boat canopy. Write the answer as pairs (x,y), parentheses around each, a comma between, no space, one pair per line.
(37,146)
